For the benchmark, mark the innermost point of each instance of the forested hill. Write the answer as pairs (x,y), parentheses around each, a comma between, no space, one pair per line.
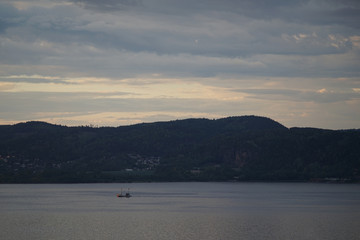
(246,148)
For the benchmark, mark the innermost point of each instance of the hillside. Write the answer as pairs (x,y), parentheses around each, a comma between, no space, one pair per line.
(246,148)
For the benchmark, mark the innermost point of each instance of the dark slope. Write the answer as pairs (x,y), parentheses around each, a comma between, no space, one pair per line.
(234,148)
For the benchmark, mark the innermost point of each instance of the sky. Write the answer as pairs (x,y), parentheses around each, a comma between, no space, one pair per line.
(121,62)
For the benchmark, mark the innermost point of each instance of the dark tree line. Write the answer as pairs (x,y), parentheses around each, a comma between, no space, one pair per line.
(237,148)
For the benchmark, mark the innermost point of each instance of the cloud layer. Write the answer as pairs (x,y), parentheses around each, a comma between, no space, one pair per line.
(86,61)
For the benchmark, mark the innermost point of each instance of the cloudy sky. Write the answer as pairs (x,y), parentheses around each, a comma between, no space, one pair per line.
(120,62)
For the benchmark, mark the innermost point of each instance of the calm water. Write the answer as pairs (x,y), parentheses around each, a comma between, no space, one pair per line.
(180,211)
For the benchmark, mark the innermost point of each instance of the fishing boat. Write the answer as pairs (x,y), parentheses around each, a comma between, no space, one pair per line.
(126,195)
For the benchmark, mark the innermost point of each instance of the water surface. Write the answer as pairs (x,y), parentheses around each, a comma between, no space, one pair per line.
(180,211)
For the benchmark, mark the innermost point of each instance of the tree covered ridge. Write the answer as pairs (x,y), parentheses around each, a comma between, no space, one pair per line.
(235,148)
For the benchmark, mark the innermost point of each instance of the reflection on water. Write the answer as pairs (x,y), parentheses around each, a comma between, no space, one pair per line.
(180,211)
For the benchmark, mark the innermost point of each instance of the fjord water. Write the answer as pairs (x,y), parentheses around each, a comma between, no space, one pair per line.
(180,211)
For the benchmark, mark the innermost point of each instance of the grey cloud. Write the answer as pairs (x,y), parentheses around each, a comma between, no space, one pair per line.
(31,80)
(107,5)
(335,12)
(204,33)
(9,17)
(312,12)
(204,38)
